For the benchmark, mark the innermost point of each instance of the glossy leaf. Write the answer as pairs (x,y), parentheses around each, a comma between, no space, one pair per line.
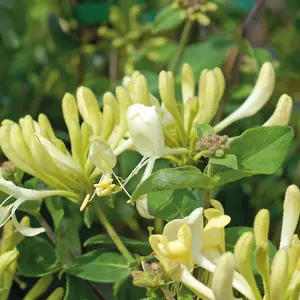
(78,289)
(134,245)
(100,267)
(172,204)
(259,150)
(37,257)
(170,179)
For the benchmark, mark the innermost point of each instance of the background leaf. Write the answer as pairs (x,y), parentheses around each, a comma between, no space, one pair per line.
(100,267)
(176,178)
(37,257)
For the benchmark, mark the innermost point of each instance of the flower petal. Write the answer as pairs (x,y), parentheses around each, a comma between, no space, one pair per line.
(27,231)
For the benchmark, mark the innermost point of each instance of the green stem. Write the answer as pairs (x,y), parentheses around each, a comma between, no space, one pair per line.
(183,41)
(207,192)
(113,235)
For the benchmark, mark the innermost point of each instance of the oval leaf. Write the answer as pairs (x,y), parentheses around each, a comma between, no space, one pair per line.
(100,267)
(170,179)
(37,257)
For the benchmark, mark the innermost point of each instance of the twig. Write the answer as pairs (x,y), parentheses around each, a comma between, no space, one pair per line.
(183,41)
(47,227)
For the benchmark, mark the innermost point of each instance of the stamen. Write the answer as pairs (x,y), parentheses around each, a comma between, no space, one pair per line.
(85,202)
(122,186)
(104,184)
(5,200)
(134,172)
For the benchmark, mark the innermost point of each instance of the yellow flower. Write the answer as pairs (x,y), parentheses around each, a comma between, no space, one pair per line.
(214,233)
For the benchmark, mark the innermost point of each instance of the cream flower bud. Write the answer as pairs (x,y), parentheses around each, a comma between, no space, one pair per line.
(262,264)
(101,155)
(145,130)
(261,226)
(89,108)
(291,212)
(211,89)
(242,253)
(39,288)
(187,83)
(141,92)
(108,114)
(46,128)
(69,107)
(223,276)
(167,94)
(6,259)
(282,113)
(258,98)
(294,254)
(279,271)
(57,294)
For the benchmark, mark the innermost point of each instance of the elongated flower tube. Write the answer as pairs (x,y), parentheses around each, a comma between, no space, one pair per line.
(291,212)
(258,98)
(223,276)
(282,113)
(195,223)
(177,258)
(22,195)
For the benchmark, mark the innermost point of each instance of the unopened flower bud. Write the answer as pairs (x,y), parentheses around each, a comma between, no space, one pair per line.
(145,130)
(291,212)
(141,92)
(108,115)
(187,83)
(282,113)
(258,98)
(57,294)
(223,276)
(242,253)
(279,271)
(101,155)
(39,288)
(89,108)
(69,108)
(261,226)
(213,145)
(8,168)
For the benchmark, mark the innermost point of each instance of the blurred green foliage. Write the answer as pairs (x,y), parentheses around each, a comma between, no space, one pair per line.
(49,47)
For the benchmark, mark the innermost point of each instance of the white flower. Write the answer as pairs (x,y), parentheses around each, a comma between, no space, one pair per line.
(257,99)
(291,212)
(145,130)
(21,195)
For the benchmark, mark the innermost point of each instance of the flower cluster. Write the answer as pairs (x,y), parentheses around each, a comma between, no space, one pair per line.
(196,10)
(133,119)
(129,36)
(185,243)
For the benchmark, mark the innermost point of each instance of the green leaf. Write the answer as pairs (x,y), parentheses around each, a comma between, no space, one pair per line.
(68,246)
(9,37)
(124,290)
(37,257)
(260,150)
(100,267)
(185,294)
(166,19)
(232,235)
(228,160)
(172,204)
(203,128)
(88,217)
(133,245)
(55,208)
(170,179)
(78,289)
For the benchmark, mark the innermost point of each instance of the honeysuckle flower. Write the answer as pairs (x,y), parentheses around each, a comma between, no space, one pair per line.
(223,276)
(33,147)
(258,98)
(282,113)
(214,231)
(195,223)
(22,195)
(176,256)
(284,279)
(291,212)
